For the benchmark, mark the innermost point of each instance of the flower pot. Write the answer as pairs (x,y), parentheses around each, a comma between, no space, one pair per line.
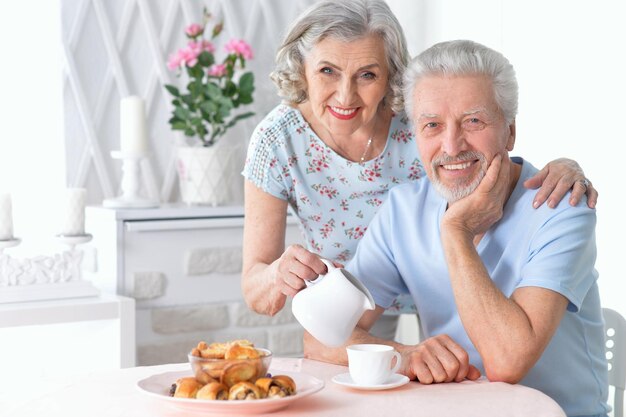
(210,175)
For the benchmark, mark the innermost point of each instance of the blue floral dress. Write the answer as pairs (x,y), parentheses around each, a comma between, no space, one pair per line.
(334,198)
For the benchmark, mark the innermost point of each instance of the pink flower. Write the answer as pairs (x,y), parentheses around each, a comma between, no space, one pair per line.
(208,46)
(194,47)
(240,48)
(194,30)
(176,60)
(217,70)
(191,58)
(191,53)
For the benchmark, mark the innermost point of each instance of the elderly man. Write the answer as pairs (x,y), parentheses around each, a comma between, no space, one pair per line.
(501,288)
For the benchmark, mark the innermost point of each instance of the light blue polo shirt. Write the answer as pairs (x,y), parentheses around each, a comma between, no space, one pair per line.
(548,248)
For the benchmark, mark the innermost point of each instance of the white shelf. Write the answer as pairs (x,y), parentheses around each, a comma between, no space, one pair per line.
(76,310)
(172,211)
(60,311)
(50,291)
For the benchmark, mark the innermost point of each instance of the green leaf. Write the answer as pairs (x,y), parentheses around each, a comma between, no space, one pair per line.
(179,125)
(212,90)
(190,132)
(195,71)
(246,83)
(245,98)
(195,88)
(209,107)
(196,121)
(230,89)
(182,113)
(218,118)
(188,99)
(223,100)
(225,106)
(173,90)
(202,131)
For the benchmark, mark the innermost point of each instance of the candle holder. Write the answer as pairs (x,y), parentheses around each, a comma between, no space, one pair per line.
(9,243)
(130,183)
(73,240)
(44,277)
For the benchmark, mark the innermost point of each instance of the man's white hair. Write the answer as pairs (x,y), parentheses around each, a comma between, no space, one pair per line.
(463,57)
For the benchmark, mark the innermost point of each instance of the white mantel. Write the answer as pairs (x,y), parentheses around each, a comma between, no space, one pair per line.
(183,267)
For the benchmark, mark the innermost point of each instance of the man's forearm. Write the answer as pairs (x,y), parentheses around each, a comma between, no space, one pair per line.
(313,349)
(497,325)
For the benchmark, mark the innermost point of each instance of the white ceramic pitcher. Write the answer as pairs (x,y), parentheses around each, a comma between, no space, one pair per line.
(331,306)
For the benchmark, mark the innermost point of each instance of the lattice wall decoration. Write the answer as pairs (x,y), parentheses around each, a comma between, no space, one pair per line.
(116,48)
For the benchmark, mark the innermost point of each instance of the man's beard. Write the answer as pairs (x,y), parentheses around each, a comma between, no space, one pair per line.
(462,188)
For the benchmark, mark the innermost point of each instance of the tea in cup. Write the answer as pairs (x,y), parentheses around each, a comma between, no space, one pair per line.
(370,364)
(331,306)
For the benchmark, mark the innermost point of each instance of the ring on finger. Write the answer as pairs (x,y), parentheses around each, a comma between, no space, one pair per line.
(585,182)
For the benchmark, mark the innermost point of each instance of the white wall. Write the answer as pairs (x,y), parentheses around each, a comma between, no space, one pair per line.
(573,84)
(31,139)
(571,67)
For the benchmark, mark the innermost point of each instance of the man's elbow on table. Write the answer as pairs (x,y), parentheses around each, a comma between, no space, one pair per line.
(507,370)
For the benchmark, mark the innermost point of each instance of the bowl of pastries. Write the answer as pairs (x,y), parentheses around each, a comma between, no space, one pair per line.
(235,370)
(229,363)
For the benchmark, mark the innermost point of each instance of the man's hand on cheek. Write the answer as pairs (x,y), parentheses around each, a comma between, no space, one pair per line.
(477,212)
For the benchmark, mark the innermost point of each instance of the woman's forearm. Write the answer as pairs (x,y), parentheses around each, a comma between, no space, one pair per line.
(259,290)
(263,245)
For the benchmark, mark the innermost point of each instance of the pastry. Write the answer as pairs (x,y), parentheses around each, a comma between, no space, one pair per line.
(213,391)
(218,350)
(204,377)
(239,371)
(242,342)
(245,391)
(214,370)
(277,387)
(187,387)
(237,351)
(213,351)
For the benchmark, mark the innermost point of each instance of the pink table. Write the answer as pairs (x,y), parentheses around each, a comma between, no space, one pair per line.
(114,394)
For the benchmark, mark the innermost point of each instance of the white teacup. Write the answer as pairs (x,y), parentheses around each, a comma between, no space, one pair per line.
(370,364)
(331,306)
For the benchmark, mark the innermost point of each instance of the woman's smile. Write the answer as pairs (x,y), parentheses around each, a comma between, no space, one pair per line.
(342,113)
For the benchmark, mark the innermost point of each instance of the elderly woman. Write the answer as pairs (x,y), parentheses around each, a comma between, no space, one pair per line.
(335,148)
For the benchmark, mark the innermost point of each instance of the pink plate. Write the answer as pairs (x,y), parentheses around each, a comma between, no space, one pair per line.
(158,386)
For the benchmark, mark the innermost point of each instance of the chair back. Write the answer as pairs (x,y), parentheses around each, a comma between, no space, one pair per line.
(615,343)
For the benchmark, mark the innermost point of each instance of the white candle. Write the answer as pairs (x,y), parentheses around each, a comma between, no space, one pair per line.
(133,130)
(6,217)
(74,212)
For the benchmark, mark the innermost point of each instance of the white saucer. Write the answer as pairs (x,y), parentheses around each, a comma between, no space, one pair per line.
(395,380)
